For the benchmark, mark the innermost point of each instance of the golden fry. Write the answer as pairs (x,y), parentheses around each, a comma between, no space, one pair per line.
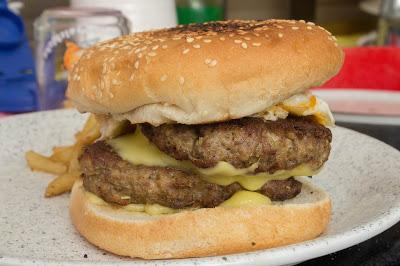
(89,125)
(64,160)
(42,163)
(62,154)
(90,136)
(61,184)
(74,163)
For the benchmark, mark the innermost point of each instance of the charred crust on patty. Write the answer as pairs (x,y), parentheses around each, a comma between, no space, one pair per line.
(274,145)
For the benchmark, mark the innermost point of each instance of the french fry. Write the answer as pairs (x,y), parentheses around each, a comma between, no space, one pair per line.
(62,154)
(89,125)
(90,137)
(42,163)
(61,184)
(74,163)
(64,160)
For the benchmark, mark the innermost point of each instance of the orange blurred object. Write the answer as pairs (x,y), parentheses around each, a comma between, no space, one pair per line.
(71,55)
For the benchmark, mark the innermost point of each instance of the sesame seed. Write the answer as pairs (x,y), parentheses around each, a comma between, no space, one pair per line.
(256,44)
(237,41)
(311,23)
(247,38)
(279,26)
(266,36)
(152,54)
(244,45)
(132,76)
(197,46)
(309,28)
(164,46)
(185,51)
(336,44)
(222,38)
(334,38)
(256,34)
(280,35)
(207,40)
(189,39)
(207,61)
(176,38)
(302,21)
(213,63)
(111,95)
(155,47)
(231,35)
(295,28)
(139,55)
(137,64)
(198,37)
(181,80)
(163,77)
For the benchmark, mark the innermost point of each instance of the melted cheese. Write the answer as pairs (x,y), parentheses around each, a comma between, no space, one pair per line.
(137,149)
(240,198)
(151,209)
(255,182)
(246,198)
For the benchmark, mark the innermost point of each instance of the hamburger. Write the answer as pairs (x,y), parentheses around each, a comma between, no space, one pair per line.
(208,132)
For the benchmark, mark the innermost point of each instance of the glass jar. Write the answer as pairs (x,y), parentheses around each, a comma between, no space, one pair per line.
(58,27)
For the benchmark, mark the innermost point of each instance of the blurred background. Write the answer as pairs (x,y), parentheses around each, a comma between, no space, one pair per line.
(40,40)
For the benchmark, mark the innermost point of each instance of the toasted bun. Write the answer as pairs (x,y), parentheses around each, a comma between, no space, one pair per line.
(203,232)
(203,73)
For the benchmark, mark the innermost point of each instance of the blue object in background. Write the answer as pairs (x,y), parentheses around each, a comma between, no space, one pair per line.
(18,87)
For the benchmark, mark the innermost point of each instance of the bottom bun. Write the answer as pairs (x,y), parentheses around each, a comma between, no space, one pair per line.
(202,232)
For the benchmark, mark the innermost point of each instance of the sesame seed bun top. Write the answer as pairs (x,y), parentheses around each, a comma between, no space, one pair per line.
(203,73)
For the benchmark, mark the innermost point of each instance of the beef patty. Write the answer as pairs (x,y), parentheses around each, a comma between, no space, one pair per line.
(118,181)
(275,145)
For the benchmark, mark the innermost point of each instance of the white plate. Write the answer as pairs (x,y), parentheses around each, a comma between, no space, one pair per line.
(362,176)
(363,106)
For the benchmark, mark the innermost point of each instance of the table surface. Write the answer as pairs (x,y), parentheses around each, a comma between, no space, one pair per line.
(383,249)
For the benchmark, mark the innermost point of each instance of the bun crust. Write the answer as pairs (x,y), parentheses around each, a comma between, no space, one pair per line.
(203,232)
(203,73)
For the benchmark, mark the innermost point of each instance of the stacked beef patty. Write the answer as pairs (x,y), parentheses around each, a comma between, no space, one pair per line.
(273,145)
